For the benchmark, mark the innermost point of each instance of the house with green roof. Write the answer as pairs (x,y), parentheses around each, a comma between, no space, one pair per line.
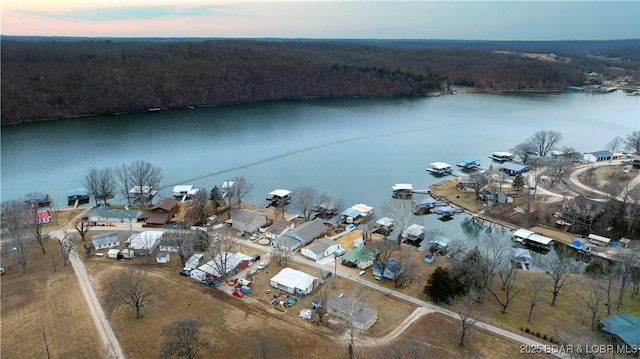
(361,257)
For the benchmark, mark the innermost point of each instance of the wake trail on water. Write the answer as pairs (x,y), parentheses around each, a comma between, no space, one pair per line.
(286,154)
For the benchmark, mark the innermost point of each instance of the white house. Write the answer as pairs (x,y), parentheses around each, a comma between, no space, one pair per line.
(294,282)
(321,248)
(597,156)
(106,240)
(144,243)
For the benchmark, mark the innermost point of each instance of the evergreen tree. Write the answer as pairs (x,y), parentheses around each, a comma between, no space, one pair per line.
(441,286)
(518,182)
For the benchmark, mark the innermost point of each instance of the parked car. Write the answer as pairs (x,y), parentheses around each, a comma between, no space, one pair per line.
(326,275)
(254,237)
(237,293)
(185,272)
(262,265)
(256,258)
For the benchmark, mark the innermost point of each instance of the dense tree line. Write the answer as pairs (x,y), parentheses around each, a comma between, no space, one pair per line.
(47,80)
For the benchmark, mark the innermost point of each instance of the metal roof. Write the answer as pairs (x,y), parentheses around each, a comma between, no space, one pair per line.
(625,326)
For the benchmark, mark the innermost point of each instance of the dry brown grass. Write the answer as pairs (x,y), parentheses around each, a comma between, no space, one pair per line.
(43,301)
(602,177)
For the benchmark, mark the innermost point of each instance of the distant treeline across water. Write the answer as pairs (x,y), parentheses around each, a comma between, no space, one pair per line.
(49,79)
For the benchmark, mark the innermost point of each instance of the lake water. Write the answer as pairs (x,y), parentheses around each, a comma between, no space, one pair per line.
(352,149)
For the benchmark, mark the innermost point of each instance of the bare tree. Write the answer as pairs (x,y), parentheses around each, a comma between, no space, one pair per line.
(592,294)
(182,241)
(626,264)
(124,180)
(408,266)
(241,188)
(544,141)
(221,251)
(101,183)
(32,215)
(280,256)
(632,142)
(508,273)
(615,144)
(304,199)
(182,338)
(82,226)
(199,207)
(558,168)
(559,268)
(534,292)
(523,151)
(131,289)
(88,247)
(66,246)
(477,182)
(401,211)
(321,298)
(144,176)
(386,249)
(15,218)
(465,308)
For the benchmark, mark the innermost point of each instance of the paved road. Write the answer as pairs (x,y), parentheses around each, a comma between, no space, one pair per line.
(112,346)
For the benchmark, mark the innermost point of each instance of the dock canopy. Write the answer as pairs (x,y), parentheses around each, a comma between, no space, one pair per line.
(599,240)
(538,238)
(402,187)
(440,166)
(385,221)
(279,193)
(522,234)
(77,192)
(624,326)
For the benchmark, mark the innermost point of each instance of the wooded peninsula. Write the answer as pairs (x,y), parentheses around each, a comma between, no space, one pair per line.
(51,78)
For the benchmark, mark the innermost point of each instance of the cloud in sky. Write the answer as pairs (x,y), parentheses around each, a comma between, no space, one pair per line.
(116,13)
(469,20)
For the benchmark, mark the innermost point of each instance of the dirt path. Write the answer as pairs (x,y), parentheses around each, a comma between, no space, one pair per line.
(112,346)
(395,333)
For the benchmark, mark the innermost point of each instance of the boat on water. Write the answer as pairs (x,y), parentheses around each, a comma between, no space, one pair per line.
(439,168)
(469,163)
(502,156)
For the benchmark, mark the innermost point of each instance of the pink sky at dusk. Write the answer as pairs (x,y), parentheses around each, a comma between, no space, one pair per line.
(469,20)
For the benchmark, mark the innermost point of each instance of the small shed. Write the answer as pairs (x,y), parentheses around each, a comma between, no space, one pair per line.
(113,253)
(513,168)
(360,314)
(163,257)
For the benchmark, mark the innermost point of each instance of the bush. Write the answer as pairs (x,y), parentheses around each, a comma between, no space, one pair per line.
(527,331)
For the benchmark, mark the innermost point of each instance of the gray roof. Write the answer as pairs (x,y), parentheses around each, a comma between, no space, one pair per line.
(603,153)
(361,312)
(513,166)
(320,245)
(308,231)
(287,241)
(101,239)
(246,216)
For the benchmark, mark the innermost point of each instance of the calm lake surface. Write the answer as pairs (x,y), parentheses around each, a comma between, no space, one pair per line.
(354,149)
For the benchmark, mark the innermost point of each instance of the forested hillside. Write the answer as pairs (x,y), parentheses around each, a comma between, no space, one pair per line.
(50,79)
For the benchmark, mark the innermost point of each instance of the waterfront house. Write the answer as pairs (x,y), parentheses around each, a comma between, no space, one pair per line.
(321,248)
(360,314)
(44,216)
(597,156)
(160,214)
(278,228)
(246,220)
(301,235)
(513,168)
(106,240)
(582,210)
